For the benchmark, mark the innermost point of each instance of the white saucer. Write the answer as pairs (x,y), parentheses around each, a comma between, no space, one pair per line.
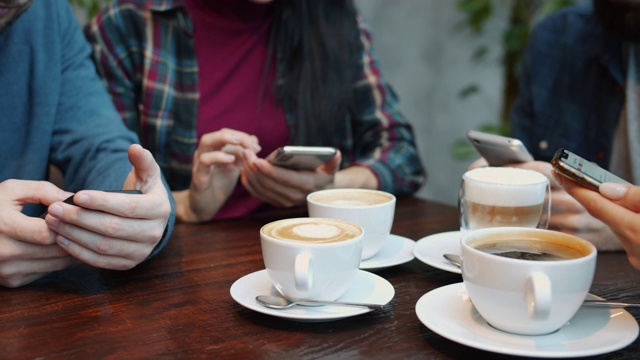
(367,287)
(395,251)
(430,249)
(448,312)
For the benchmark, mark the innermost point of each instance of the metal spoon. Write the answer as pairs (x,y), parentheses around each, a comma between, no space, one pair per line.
(453,259)
(276,302)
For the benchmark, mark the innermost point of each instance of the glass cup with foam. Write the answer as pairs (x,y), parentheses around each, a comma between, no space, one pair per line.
(504,196)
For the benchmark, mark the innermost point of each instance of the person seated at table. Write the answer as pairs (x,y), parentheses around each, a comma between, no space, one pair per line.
(55,110)
(579,90)
(617,205)
(213,87)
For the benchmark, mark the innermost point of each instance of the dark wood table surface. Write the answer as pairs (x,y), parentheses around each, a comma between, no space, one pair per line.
(178,304)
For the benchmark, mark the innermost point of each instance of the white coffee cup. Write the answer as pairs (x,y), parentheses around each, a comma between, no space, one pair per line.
(311,258)
(527,297)
(371,209)
(503,196)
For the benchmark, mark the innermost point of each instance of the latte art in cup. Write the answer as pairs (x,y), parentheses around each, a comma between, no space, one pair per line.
(502,197)
(315,230)
(311,258)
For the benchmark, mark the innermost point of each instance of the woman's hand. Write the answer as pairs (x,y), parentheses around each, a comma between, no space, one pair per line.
(617,205)
(216,168)
(283,187)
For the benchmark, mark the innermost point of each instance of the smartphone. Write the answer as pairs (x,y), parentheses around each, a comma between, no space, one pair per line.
(499,150)
(69,200)
(301,157)
(581,170)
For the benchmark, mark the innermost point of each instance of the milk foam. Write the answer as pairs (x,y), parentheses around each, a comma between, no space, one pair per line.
(316,231)
(502,186)
(351,197)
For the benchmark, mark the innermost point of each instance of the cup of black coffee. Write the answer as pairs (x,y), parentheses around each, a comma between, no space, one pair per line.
(526,281)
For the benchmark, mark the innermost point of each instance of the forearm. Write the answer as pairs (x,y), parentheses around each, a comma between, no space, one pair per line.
(184,213)
(356,177)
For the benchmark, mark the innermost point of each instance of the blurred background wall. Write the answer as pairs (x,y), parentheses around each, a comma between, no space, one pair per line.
(426,54)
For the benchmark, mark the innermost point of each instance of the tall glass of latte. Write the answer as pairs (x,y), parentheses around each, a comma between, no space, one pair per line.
(504,196)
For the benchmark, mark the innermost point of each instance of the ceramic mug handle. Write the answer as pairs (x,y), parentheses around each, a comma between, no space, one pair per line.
(303,272)
(538,295)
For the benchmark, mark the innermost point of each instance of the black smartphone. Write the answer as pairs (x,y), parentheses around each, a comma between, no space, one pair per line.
(584,172)
(69,200)
(301,157)
(499,150)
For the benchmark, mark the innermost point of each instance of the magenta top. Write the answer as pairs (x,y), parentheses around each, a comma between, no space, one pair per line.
(231,40)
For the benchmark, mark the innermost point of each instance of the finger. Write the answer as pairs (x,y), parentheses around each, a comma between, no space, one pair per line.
(254,186)
(481,162)
(32,192)
(13,249)
(562,202)
(78,223)
(106,254)
(598,206)
(333,165)
(215,158)
(574,223)
(218,139)
(33,230)
(133,206)
(22,272)
(623,194)
(146,172)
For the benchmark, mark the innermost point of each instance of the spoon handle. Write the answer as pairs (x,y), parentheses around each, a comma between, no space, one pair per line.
(340,303)
(611,304)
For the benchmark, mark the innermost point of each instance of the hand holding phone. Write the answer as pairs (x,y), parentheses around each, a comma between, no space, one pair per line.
(69,200)
(301,157)
(499,150)
(582,171)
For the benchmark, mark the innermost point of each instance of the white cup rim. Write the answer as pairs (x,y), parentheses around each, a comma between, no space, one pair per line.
(542,179)
(386,203)
(473,234)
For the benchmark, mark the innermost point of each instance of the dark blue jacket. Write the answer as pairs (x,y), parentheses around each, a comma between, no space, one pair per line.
(571,87)
(54,108)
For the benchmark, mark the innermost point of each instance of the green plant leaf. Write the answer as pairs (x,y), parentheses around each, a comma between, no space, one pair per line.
(468,91)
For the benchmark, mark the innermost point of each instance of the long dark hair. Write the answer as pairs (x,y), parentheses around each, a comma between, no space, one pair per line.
(317,45)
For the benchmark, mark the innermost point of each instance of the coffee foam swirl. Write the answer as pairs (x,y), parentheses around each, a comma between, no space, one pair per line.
(318,230)
(505,186)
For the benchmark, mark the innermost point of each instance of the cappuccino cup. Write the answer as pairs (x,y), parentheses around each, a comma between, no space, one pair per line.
(373,210)
(311,258)
(526,281)
(503,196)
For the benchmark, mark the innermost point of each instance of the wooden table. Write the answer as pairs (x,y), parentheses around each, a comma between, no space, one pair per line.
(178,305)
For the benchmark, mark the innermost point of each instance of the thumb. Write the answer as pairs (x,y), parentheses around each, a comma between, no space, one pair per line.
(332,165)
(145,169)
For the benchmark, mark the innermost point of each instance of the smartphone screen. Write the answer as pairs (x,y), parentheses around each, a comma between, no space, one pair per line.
(582,170)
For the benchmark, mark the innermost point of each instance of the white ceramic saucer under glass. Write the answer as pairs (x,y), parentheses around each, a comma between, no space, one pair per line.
(367,287)
(430,249)
(448,312)
(395,251)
